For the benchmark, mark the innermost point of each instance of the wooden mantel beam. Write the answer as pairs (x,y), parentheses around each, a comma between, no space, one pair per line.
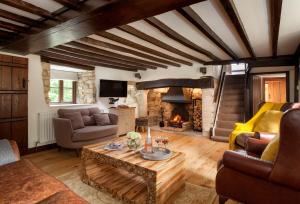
(275,7)
(235,19)
(118,12)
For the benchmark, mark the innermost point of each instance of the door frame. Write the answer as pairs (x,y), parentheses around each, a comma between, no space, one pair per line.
(287,74)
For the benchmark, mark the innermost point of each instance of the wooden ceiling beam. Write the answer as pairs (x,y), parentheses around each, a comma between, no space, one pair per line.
(66,63)
(73,4)
(54,55)
(283,60)
(131,30)
(126,50)
(275,7)
(179,38)
(25,6)
(17,18)
(102,57)
(236,20)
(13,27)
(113,54)
(93,58)
(197,21)
(101,18)
(137,46)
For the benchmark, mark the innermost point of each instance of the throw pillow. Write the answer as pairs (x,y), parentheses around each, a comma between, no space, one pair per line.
(76,120)
(102,119)
(270,153)
(269,122)
(88,120)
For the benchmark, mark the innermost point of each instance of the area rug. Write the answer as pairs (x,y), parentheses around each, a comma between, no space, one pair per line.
(192,194)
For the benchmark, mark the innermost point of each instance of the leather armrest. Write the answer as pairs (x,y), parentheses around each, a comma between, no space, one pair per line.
(247,164)
(15,148)
(256,146)
(264,136)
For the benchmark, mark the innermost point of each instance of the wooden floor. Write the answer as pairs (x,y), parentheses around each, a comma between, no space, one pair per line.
(202,155)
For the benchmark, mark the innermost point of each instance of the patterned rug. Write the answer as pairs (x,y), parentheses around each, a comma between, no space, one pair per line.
(192,194)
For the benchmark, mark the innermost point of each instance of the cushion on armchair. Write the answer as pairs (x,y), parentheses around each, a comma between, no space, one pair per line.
(270,153)
(76,120)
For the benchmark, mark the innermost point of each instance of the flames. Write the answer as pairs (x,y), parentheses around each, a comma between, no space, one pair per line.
(177,119)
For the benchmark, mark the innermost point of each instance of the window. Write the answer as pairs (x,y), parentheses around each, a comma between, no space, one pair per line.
(62,91)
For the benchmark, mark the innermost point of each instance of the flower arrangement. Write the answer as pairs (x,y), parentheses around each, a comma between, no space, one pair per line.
(133,140)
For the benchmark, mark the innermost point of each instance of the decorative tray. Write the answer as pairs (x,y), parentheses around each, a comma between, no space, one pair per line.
(157,154)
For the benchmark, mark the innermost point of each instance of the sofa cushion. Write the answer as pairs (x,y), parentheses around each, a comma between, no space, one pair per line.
(76,120)
(270,153)
(88,120)
(94,132)
(94,111)
(102,119)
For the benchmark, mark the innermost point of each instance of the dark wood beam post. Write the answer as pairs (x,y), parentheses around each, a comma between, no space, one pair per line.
(195,20)
(275,6)
(179,38)
(235,19)
(111,15)
(66,63)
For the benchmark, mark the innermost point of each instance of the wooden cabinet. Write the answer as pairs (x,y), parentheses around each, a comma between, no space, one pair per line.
(126,119)
(14,100)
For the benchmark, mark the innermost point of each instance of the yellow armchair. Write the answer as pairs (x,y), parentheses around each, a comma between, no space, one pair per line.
(249,125)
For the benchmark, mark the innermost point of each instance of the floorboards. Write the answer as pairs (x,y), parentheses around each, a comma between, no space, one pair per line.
(202,155)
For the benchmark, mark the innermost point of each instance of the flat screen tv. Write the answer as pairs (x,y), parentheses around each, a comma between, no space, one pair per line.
(112,88)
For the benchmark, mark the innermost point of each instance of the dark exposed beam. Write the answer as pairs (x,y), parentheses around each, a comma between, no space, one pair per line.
(158,43)
(235,19)
(284,60)
(275,6)
(93,58)
(102,57)
(297,52)
(197,21)
(7,34)
(205,82)
(25,6)
(53,55)
(17,18)
(179,38)
(111,15)
(66,63)
(73,4)
(137,46)
(126,50)
(113,55)
(13,27)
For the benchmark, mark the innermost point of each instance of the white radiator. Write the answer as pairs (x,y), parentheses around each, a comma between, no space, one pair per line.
(45,128)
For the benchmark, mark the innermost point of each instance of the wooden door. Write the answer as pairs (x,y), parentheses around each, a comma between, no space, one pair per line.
(14,100)
(275,89)
(5,78)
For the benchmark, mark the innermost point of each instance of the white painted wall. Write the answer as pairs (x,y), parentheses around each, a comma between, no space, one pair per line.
(58,74)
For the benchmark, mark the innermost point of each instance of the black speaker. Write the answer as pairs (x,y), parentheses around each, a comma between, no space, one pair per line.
(203,70)
(138,75)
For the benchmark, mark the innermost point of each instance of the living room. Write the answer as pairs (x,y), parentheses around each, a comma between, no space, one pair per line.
(173,102)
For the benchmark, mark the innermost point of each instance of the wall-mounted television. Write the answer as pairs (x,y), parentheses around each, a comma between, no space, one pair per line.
(113,88)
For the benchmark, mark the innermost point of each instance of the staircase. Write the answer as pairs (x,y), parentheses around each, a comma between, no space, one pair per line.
(231,107)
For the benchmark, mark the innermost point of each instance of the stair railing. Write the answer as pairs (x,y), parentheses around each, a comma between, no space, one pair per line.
(217,96)
(247,93)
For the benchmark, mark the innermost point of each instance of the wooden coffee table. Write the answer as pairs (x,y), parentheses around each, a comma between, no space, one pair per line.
(128,177)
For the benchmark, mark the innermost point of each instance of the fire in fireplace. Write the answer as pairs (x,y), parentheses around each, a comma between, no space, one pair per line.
(176,121)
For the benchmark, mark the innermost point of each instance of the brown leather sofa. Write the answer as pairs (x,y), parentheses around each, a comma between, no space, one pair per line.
(248,179)
(21,183)
(67,137)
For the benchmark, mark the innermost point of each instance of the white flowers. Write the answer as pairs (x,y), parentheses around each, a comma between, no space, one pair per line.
(134,140)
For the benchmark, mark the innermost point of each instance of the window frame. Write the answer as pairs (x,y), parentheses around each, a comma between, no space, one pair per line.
(61,93)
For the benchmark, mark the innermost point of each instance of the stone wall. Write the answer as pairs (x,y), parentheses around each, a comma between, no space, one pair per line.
(46,81)
(208,110)
(86,91)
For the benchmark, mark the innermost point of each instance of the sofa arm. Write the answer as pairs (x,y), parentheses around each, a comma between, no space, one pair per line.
(113,118)
(256,146)
(15,148)
(247,164)
(63,131)
(264,136)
